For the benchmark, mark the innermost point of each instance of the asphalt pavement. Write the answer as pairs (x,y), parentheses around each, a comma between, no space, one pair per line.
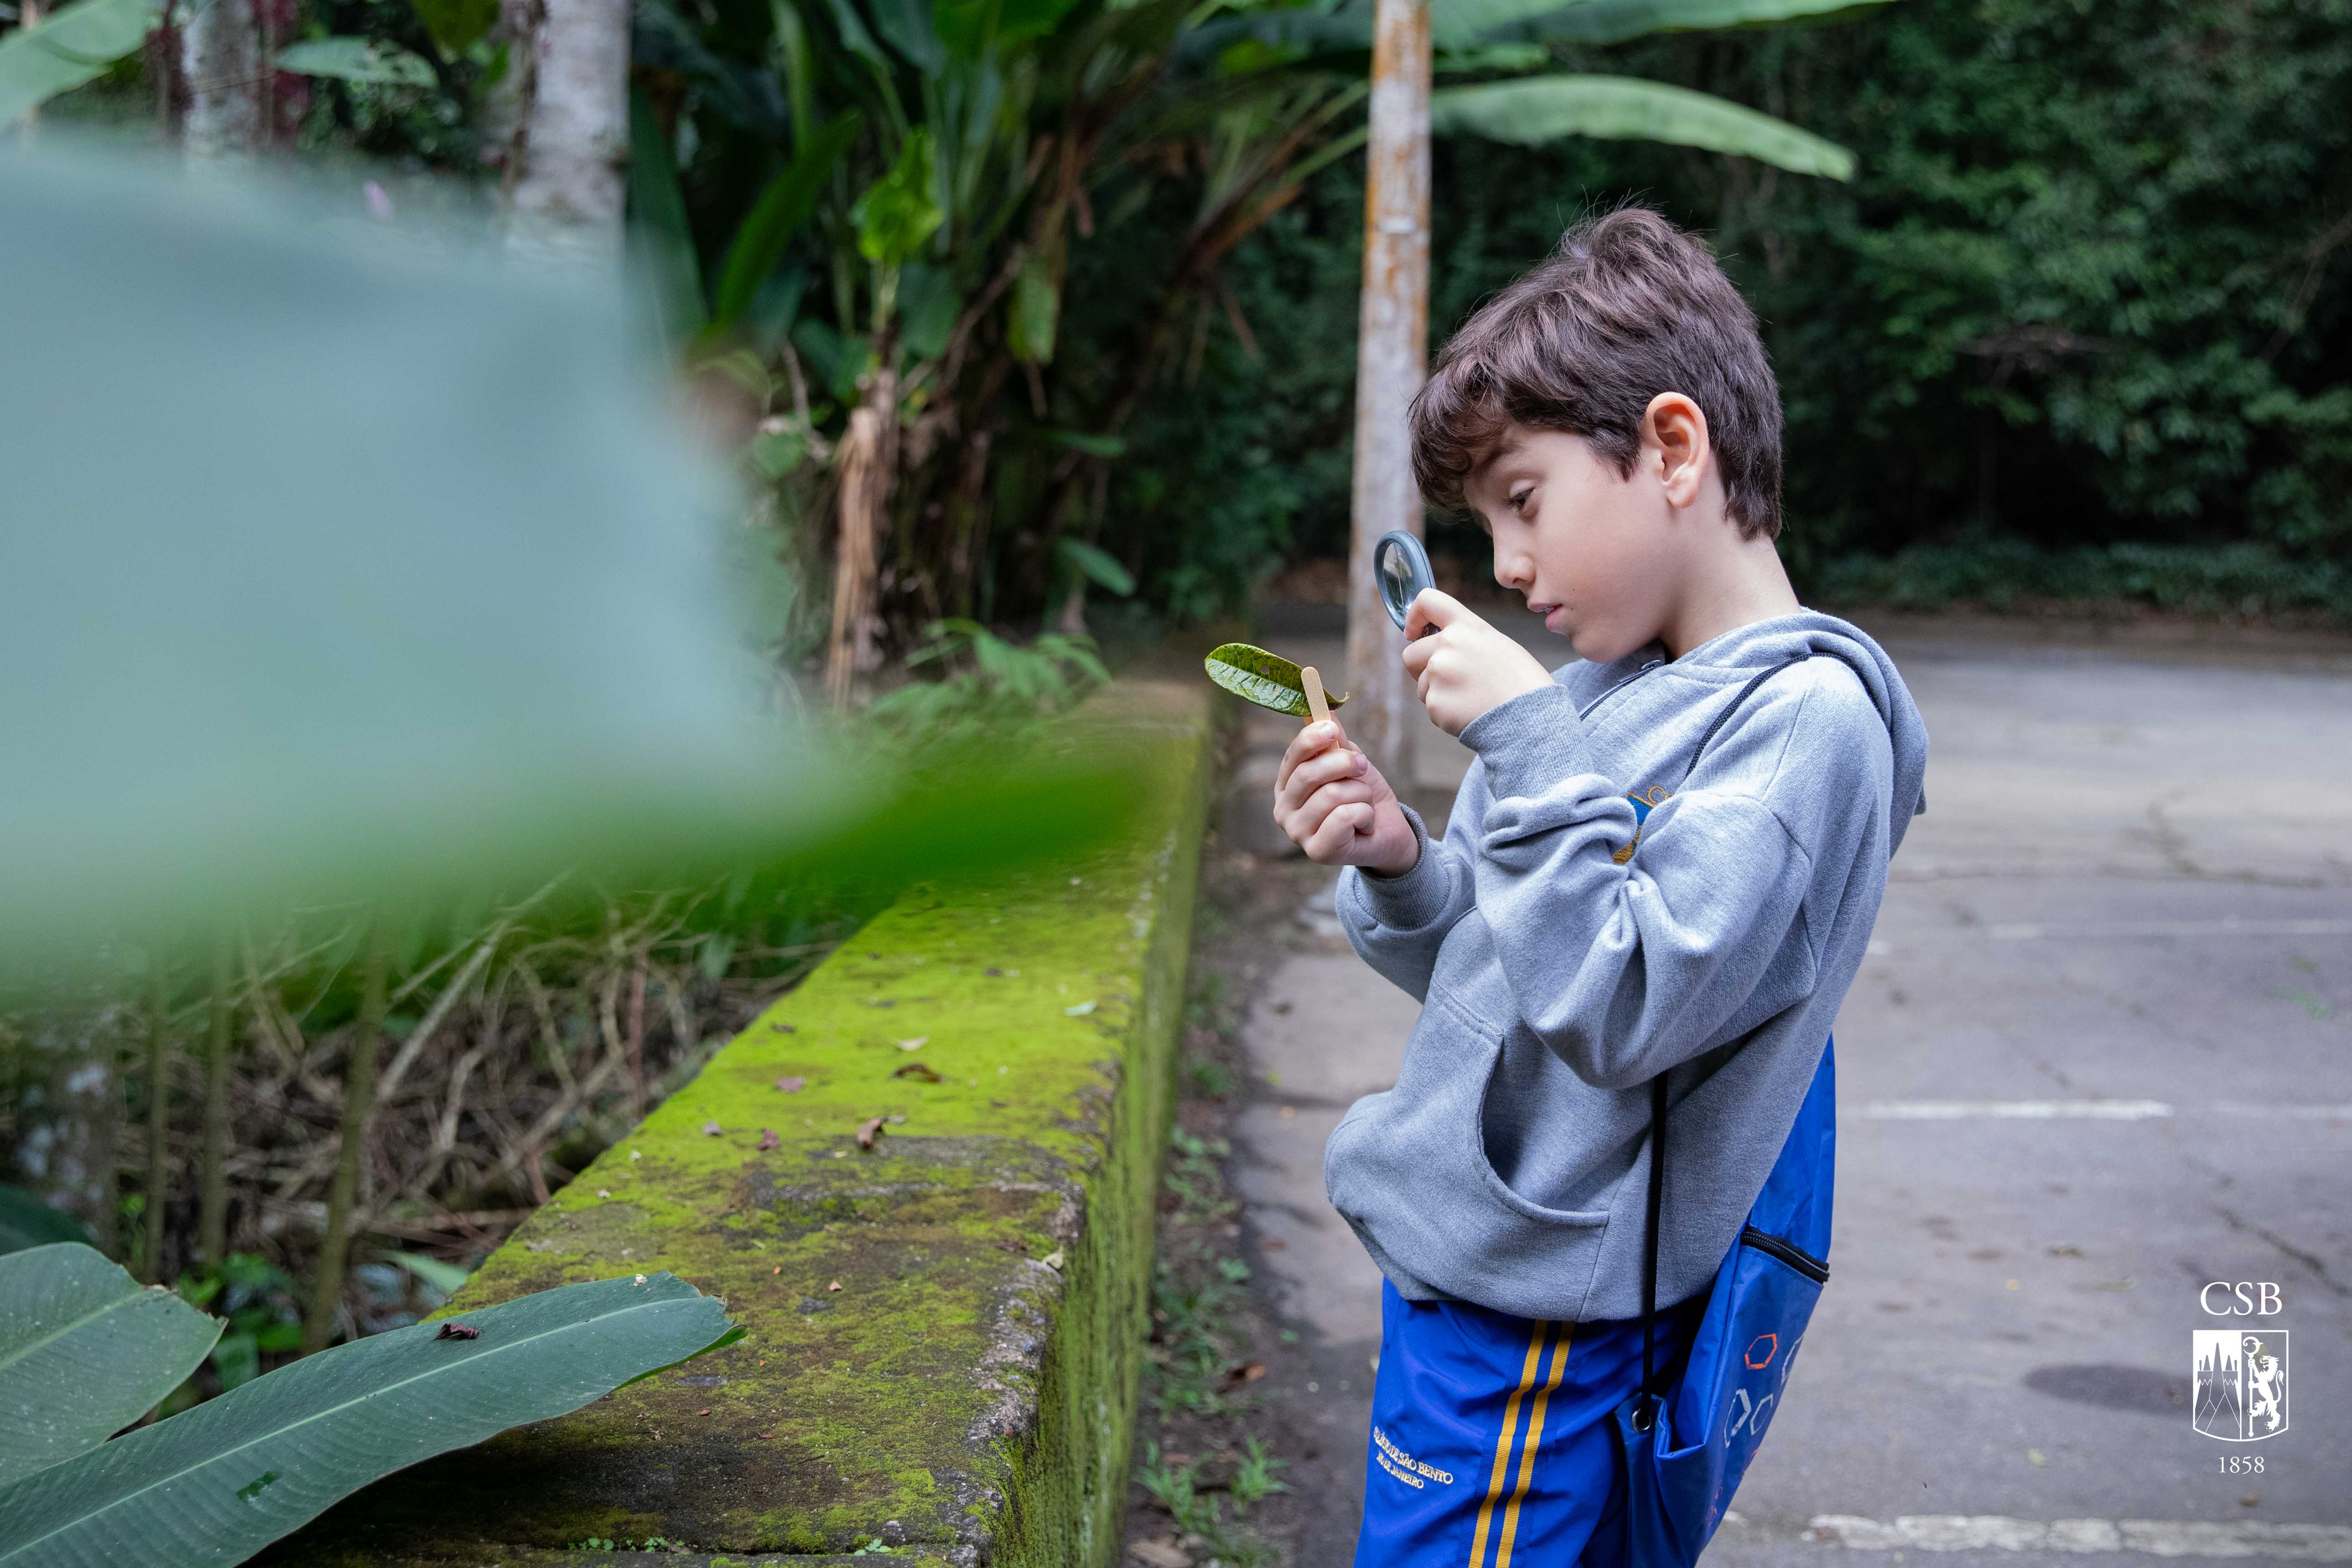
(2099,1059)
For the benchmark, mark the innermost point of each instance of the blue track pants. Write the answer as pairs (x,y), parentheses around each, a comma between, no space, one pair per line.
(1492,1443)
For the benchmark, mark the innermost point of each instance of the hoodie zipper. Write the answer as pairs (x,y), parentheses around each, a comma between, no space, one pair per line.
(1788,1252)
(1586,711)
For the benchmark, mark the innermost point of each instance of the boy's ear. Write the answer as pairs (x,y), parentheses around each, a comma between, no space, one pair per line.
(1675,444)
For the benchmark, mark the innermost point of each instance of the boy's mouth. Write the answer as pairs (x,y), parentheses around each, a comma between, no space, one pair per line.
(1551,613)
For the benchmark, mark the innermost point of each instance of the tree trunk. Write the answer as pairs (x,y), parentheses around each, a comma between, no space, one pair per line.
(1391,352)
(506,102)
(569,187)
(212,1161)
(220,57)
(868,461)
(359,1104)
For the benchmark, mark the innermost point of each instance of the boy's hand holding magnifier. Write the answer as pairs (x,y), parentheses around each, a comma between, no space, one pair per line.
(1328,796)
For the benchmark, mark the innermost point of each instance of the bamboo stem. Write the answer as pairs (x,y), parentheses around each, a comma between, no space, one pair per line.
(159,1115)
(212,1200)
(359,1101)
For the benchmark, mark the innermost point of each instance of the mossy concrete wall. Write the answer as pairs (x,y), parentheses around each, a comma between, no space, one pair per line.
(944,1331)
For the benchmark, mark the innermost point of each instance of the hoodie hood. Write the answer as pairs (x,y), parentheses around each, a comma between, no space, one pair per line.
(1810,632)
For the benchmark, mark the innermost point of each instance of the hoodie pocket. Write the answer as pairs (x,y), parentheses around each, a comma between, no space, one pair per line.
(1490,1047)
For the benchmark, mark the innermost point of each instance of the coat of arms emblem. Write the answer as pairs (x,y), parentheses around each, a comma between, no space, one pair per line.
(2240,1377)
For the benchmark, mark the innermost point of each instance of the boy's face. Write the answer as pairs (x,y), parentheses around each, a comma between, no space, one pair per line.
(1594,552)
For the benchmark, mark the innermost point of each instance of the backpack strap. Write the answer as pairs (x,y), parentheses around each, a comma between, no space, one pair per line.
(1645,1414)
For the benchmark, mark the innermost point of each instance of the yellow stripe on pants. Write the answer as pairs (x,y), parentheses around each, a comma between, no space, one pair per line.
(1535,1438)
(1503,1445)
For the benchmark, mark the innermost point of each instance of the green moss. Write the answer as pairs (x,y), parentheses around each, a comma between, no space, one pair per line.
(944,1330)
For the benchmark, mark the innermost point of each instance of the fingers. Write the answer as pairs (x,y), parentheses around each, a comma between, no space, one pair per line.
(1319,772)
(1330,843)
(1314,740)
(1431,607)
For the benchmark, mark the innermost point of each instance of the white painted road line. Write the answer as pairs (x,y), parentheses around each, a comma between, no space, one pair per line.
(2157,1538)
(2083,1111)
(2011,1109)
(2229,925)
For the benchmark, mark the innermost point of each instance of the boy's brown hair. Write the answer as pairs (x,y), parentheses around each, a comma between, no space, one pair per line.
(1627,307)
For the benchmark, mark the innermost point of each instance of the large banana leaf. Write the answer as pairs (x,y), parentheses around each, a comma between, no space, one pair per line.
(84,1352)
(1457,25)
(1614,21)
(216,1483)
(1537,110)
(73,45)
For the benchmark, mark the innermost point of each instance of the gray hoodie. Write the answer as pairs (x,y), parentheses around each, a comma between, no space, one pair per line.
(1559,972)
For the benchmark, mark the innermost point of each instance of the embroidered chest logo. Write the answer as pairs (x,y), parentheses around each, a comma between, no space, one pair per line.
(1656,795)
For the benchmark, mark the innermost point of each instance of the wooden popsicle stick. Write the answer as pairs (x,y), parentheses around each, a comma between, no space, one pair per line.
(1316,706)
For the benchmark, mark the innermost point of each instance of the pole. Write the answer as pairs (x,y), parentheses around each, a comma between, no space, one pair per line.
(1391,354)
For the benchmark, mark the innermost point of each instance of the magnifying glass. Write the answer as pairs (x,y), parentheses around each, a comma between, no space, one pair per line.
(1400,567)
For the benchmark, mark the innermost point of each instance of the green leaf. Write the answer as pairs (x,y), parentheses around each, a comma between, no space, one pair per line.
(1265,679)
(906,25)
(1613,21)
(899,211)
(1093,446)
(456,25)
(219,1482)
(27,1221)
(358,59)
(85,1350)
(836,361)
(1458,24)
(854,38)
(1036,308)
(657,223)
(964,24)
(72,44)
(787,202)
(487,560)
(927,305)
(1544,108)
(1098,565)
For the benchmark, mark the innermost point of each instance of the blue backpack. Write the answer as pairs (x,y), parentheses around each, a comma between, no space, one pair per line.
(1687,1445)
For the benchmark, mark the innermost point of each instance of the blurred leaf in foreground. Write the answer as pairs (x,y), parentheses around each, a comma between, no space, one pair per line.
(342,567)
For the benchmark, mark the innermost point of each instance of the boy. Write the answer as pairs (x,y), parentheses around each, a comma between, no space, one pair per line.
(1612,420)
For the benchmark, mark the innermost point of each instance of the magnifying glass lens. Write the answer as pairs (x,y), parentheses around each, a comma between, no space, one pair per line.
(1401,566)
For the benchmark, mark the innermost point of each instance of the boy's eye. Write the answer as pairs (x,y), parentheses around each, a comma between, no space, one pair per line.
(1520,498)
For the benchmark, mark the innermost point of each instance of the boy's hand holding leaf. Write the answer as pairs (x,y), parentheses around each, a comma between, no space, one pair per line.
(1334,804)
(1464,667)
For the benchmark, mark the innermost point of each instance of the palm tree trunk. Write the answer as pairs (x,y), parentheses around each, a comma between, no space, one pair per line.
(359,1104)
(1391,352)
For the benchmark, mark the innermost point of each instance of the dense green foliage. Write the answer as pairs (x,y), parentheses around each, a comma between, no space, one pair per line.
(2087,290)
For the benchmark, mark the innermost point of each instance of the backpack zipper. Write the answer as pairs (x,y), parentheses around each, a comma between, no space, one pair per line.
(1788,1252)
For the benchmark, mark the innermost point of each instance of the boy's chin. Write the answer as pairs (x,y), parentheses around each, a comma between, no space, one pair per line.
(1605,645)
